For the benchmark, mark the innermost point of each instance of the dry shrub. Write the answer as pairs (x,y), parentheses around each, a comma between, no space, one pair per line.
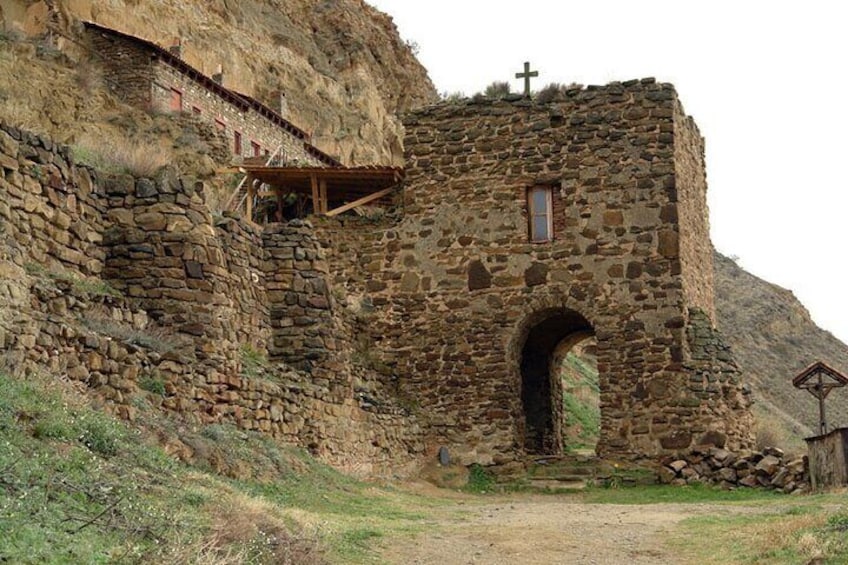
(244,530)
(248,526)
(122,156)
(497,90)
(89,77)
(813,547)
(768,434)
(551,93)
(19,112)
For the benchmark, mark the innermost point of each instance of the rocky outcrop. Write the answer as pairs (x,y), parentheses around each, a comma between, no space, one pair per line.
(341,66)
(768,469)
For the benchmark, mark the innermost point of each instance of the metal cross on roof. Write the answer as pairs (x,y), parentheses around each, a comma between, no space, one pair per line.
(527,75)
(819,379)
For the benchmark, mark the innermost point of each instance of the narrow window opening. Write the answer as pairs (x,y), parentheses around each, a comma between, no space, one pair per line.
(540,206)
(237,143)
(176,100)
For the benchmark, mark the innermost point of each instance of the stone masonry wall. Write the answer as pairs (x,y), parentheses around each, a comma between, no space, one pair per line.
(692,214)
(181,300)
(305,332)
(147,81)
(164,251)
(457,288)
(229,118)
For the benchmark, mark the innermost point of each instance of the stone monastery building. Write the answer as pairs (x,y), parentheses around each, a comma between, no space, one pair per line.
(526,228)
(151,77)
(517,230)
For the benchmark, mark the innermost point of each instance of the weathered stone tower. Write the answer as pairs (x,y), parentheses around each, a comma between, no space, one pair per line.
(527,228)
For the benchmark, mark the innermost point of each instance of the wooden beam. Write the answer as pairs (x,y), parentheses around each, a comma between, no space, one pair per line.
(322,195)
(316,207)
(361,202)
(279,214)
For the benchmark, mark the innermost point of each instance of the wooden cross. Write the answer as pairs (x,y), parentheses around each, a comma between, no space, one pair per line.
(527,75)
(819,379)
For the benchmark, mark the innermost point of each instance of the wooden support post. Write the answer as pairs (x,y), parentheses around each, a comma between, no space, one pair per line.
(248,205)
(279,203)
(322,196)
(316,207)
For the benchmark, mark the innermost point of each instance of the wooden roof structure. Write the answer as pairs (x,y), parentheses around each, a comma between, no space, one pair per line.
(831,378)
(345,188)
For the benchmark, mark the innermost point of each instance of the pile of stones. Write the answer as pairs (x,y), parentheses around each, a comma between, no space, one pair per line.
(769,468)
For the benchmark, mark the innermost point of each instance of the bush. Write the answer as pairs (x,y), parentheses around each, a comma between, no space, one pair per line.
(497,90)
(253,362)
(453,97)
(551,93)
(480,481)
(153,386)
(99,436)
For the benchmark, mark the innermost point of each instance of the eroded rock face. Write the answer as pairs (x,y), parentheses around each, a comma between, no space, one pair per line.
(342,67)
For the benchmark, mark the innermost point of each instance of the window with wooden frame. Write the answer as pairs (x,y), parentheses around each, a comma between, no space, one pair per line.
(237,143)
(540,208)
(176,100)
(256,148)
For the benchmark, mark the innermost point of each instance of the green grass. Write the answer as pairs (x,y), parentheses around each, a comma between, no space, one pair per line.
(480,481)
(78,486)
(253,362)
(65,495)
(582,415)
(690,494)
(90,286)
(796,531)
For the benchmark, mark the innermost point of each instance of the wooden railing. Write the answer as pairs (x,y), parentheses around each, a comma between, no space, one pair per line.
(241,185)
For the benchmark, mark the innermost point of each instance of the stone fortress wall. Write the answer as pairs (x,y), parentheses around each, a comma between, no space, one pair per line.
(116,280)
(460,293)
(430,326)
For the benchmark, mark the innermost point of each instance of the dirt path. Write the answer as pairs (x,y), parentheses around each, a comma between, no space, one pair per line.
(546,530)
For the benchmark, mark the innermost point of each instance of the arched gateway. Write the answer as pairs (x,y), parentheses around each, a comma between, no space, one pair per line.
(550,334)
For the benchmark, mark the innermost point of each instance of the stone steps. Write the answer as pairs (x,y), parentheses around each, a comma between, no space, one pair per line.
(564,469)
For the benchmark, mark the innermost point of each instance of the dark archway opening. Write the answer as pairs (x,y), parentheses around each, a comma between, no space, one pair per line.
(555,333)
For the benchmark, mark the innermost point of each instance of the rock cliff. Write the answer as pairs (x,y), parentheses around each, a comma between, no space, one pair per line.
(341,65)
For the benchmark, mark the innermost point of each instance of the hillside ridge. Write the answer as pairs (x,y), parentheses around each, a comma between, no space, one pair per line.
(773,338)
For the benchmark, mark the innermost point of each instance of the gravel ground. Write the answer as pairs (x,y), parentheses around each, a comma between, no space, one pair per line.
(543,530)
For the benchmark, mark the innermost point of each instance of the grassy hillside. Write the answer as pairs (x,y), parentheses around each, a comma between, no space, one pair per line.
(78,486)
(580,393)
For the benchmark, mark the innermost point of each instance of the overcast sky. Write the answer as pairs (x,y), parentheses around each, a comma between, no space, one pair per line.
(765,81)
